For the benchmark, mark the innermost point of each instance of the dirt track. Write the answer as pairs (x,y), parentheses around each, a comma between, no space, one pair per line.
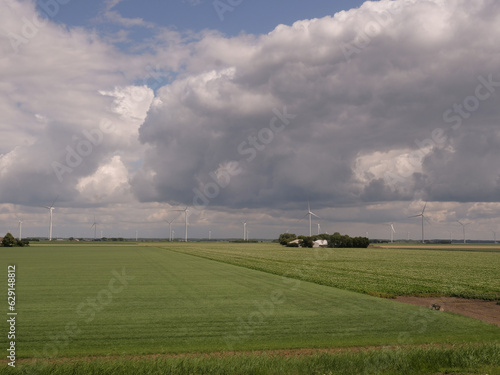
(487,311)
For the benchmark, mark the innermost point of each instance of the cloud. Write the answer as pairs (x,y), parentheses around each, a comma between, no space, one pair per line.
(369,125)
(67,106)
(108,184)
(111,16)
(361,113)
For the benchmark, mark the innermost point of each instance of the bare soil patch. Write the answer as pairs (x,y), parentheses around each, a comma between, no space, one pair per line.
(487,311)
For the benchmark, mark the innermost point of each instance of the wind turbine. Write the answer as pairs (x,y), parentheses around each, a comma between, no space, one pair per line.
(244,230)
(319,229)
(170,229)
(50,208)
(94,225)
(423,217)
(186,210)
(310,213)
(392,231)
(463,227)
(20,223)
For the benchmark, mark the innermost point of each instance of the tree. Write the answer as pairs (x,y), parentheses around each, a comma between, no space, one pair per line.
(345,241)
(285,238)
(306,241)
(22,243)
(8,240)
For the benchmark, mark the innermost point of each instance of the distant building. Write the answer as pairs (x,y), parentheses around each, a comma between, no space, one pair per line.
(320,243)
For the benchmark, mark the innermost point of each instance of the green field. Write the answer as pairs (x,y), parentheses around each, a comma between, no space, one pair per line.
(464,273)
(128,299)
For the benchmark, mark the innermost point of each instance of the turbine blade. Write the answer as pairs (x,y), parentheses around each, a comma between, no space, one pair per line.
(302,218)
(424,208)
(312,213)
(414,216)
(52,205)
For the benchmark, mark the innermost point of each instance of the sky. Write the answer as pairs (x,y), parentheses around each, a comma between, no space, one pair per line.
(123,113)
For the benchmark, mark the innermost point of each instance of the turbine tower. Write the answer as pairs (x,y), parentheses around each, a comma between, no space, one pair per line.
(244,230)
(463,228)
(50,208)
(169,229)
(319,229)
(20,223)
(94,225)
(310,214)
(186,210)
(392,231)
(423,217)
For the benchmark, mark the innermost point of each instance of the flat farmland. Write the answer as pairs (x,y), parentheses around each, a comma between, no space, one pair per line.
(455,271)
(125,300)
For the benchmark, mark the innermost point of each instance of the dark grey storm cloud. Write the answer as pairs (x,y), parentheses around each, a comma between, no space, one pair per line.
(385,104)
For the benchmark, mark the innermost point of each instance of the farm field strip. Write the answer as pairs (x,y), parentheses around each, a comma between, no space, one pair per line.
(463,359)
(171,302)
(374,271)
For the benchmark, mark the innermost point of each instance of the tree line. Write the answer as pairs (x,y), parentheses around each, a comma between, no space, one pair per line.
(9,241)
(334,240)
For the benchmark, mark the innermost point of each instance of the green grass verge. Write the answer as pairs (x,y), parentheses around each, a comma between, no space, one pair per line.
(373,271)
(69,305)
(483,359)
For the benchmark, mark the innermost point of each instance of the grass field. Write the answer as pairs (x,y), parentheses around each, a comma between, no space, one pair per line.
(469,359)
(117,299)
(453,271)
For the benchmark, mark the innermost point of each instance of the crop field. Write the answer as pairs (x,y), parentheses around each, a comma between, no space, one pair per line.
(123,300)
(453,271)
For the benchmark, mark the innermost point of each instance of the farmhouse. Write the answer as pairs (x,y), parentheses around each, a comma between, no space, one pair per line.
(317,243)
(320,243)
